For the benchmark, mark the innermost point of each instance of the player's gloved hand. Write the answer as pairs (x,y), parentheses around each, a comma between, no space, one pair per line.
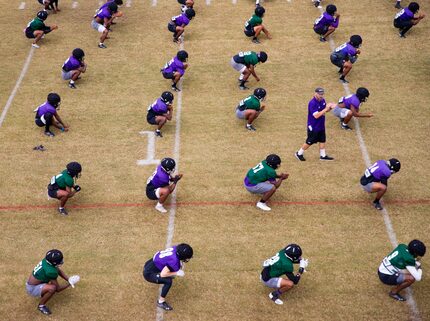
(77,188)
(176,178)
(180,273)
(73,280)
(304,263)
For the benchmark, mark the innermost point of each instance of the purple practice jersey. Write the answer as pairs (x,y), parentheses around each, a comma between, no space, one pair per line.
(351,100)
(181,20)
(104,5)
(159,107)
(346,50)
(160,178)
(175,65)
(71,64)
(404,15)
(379,171)
(103,13)
(167,258)
(45,108)
(315,106)
(326,20)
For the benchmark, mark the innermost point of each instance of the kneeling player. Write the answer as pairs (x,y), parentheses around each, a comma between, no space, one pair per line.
(43,282)
(280,264)
(36,28)
(164,266)
(407,18)
(46,115)
(251,107)
(73,67)
(327,23)
(160,112)
(349,106)
(402,268)
(175,68)
(245,62)
(262,179)
(345,55)
(161,183)
(375,178)
(254,25)
(62,184)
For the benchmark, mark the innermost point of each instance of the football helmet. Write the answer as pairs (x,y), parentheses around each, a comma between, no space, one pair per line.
(416,248)
(78,53)
(54,99)
(293,252)
(113,7)
(362,94)
(74,169)
(394,165)
(331,9)
(273,161)
(119,2)
(167,97)
(414,7)
(168,164)
(42,15)
(190,13)
(184,252)
(54,257)
(262,56)
(260,93)
(182,55)
(356,41)
(259,11)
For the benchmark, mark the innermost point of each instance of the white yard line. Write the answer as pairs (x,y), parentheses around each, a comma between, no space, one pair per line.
(150,153)
(415,313)
(21,6)
(75,4)
(128,3)
(234,1)
(208,2)
(18,83)
(154,3)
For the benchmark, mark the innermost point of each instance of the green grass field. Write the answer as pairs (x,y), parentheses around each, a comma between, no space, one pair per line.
(113,229)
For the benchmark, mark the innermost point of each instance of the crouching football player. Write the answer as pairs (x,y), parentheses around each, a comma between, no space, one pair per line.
(345,55)
(280,264)
(254,25)
(43,280)
(175,68)
(407,18)
(160,112)
(251,107)
(73,67)
(63,185)
(178,23)
(103,20)
(36,28)
(402,268)
(245,63)
(161,183)
(327,23)
(375,178)
(164,266)
(46,115)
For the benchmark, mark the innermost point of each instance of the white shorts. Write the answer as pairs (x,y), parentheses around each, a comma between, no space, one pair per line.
(272,283)
(340,112)
(99,27)
(35,290)
(240,113)
(66,75)
(238,67)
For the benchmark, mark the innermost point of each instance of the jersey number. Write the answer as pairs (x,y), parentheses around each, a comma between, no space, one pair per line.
(369,171)
(258,168)
(166,252)
(271,261)
(37,267)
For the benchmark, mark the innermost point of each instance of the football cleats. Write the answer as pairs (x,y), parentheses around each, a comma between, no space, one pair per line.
(184,252)
(273,161)
(394,165)
(293,252)
(74,169)
(356,41)
(113,7)
(168,164)
(167,97)
(42,15)
(190,13)
(54,99)
(260,93)
(414,7)
(182,55)
(78,53)
(259,11)
(331,9)
(362,94)
(262,56)
(416,248)
(54,257)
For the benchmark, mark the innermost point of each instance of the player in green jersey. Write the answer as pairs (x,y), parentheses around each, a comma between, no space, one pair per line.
(251,107)
(36,28)
(43,280)
(262,179)
(254,25)
(280,264)
(62,184)
(402,268)
(245,62)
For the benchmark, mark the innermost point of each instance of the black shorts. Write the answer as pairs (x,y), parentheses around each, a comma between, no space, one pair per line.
(403,23)
(390,279)
(315,137)
(39,122)
(150,192)
(52,191)
(150,272)
(322,30)
(171,27)
(29,33)
(337,60)
(150,117)
(182,2)
(40,1)
(168,75)
(249,32)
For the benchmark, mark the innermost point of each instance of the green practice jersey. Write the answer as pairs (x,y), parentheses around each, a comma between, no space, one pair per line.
(261,173)
(37,24)
(279,265)
(250,102)
(397,260)
(45,272)
(253,21)
(63,180)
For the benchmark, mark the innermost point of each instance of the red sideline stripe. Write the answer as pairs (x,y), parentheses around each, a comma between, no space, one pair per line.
(13,208)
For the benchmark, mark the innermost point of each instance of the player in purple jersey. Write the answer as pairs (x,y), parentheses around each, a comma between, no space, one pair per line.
(175,68)
(73,67)
(375,178)
(103,20)
(407,18)
(162,183)
(345,55)
(46,115)
(178,23)
(160,112)
(317,108)
(164,266)
(349,106)
(327,23)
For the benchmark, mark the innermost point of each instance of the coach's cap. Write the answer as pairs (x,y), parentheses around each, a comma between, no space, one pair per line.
(319,90)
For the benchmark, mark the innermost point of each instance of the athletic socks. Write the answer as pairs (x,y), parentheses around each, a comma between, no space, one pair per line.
(301,151)
(241,77)
(322,152)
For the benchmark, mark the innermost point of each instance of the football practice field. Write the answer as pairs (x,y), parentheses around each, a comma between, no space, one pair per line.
(113,229)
